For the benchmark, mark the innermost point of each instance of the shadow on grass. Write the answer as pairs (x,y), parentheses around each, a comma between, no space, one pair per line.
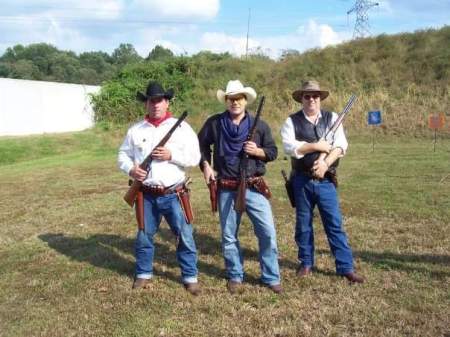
(116,253)
(107,251)
(405,262)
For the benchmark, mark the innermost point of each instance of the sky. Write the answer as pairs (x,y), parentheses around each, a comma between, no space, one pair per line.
(189,26)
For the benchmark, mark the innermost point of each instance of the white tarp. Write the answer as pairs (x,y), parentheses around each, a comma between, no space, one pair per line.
(35,107)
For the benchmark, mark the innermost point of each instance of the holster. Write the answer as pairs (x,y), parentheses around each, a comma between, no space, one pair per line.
(212,186)
(139,208)
(185,202)
(290,191)
(259,184)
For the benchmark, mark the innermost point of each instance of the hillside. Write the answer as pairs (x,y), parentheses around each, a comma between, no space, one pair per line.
(405,75)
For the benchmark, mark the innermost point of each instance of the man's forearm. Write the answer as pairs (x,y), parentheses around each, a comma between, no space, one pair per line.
(333,156)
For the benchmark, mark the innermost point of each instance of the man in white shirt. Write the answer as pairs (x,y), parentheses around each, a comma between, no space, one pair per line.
(314,178)
(161,182)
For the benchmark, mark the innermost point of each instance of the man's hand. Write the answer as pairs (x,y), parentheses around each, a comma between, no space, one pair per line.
(319,168)
(208,172)
(253,150)
(137,173)
(161,153)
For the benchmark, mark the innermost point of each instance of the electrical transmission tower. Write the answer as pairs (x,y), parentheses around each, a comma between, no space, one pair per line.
(362,27)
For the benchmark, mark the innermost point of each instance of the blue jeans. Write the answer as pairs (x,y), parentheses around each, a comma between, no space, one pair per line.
(154,209)
(309,193)
(260,214)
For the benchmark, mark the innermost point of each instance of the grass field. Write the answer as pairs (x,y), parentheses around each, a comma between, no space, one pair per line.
(66,252)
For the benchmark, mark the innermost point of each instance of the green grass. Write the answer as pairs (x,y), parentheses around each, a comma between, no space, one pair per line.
(66,249)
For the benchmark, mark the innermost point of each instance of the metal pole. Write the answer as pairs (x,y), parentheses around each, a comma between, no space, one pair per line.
(248,29)
(373,139)
(434,144)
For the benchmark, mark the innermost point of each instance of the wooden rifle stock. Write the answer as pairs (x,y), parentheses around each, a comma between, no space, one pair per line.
(132,192)
(239,204)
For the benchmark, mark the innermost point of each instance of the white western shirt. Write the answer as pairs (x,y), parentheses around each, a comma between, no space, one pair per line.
(290,144)
(143,137)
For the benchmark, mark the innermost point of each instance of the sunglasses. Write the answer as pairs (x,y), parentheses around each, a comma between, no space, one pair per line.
(236,98)
(308,97)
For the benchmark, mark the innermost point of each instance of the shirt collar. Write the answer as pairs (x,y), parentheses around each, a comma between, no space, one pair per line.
(309,118)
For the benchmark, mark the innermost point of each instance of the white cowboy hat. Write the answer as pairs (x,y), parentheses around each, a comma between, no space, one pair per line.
(236,88)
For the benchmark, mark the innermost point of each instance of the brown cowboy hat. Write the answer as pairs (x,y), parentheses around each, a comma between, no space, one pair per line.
(154,89)
(309,86)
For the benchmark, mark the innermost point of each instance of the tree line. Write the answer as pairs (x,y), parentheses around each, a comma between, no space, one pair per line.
(45,62)
(404,75)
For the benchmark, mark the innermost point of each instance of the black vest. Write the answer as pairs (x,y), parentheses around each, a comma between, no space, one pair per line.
(308,132)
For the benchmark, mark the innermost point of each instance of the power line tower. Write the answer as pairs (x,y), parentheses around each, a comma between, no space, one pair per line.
(362,27)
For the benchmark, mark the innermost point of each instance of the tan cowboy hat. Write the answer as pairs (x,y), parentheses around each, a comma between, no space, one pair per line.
(236,88)
(309,86)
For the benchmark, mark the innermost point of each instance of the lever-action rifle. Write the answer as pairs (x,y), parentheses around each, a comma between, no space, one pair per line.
(337,123)
(239,204)
(132,192)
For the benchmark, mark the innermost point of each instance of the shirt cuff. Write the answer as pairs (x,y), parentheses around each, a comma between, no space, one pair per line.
(298,145)
(126,167)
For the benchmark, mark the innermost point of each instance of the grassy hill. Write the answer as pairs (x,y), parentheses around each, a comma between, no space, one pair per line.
(405,75)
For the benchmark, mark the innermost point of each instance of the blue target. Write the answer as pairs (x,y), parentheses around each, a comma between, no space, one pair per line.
(374,117)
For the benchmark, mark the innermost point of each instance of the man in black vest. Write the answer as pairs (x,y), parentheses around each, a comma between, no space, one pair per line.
(313,179)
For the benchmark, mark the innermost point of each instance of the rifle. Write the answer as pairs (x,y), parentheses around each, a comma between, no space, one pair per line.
(239,204)
(310,158)
(136,185)
(341,117)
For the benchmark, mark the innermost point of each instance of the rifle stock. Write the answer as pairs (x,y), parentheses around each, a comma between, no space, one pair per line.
(239,204)
(132,192)
(130,196)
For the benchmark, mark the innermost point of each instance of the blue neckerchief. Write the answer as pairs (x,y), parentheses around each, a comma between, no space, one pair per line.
(233,137)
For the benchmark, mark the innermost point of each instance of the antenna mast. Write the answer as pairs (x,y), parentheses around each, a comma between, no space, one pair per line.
(248,29)
(362,27)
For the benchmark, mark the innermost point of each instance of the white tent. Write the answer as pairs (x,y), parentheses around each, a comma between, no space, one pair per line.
(35,107)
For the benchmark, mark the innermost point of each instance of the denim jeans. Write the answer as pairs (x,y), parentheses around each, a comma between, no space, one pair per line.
(309,193)
(260,213)
(154,209)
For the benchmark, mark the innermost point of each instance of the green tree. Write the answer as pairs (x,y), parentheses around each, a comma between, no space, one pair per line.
(25,69)
(4,69)
(125,54)
(159,53)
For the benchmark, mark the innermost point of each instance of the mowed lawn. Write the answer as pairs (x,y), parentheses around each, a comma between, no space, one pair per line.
(66,249)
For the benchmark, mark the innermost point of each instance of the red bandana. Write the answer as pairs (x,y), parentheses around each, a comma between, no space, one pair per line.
(157,122)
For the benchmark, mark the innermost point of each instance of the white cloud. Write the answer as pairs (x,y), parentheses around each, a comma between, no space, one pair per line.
(178,9)
(65,10)
(311,35)
(318,35)
(221,42)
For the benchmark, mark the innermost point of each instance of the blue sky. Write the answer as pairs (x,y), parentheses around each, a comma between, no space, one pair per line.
(188,26)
